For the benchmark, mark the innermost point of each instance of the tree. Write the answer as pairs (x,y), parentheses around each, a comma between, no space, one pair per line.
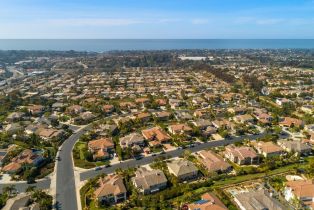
(88,156)
(187,153)
(9,190)
(30,189)
(43,199)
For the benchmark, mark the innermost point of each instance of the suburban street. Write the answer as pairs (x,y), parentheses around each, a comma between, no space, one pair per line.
(65,180)
(66,197)
(22,186)
(174,153)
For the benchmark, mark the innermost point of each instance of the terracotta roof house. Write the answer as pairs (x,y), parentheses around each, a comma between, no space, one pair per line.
(155,136)
(202,123)
(303,190)
(49,133)
(179,129)
(163,115)
(101,148)
(87,116)
(161,102)
(127,105)
(131,140)
(213,162)
(294,146)
(27,156)
(149,181)
(209,131)
(208,202)
(182,169)
(241,155)
(263,118)
(257,200)
(201,113)
(237,110)
(228,97)
(144,116)
(111,190)
(175,103)
(35,109)
(12,167)
(289,122)
(75,109)
(246,118)
(311,136)
(142,100)
(108,108)
(223,123)
(267,149)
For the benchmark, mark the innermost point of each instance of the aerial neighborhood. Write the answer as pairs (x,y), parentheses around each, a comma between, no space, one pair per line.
(159,130)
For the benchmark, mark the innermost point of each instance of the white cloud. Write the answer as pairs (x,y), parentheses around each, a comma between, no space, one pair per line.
(243,20)
(258,21)
(95,22)
(271,21)
(107,21)
(199,21)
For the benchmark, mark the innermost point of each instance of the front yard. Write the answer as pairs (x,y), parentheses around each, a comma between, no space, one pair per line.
(79,157)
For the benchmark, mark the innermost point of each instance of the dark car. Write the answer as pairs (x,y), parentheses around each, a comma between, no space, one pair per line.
(138,157)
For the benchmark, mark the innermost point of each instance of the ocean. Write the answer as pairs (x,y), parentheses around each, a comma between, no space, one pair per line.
(103,45)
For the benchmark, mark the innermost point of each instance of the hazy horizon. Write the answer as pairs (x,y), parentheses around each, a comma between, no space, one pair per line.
(102,45)
(173,19)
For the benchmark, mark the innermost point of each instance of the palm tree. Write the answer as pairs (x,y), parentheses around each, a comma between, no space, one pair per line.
(9,190)
(31,189)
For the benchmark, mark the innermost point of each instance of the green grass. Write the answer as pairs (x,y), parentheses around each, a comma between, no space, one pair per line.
(82,163)
(21,144)
(81,146)
(92,206)
(236,180)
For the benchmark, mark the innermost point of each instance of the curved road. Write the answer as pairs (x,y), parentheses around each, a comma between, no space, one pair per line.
(65,181)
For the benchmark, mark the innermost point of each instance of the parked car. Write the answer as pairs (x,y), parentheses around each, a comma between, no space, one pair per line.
(138,157)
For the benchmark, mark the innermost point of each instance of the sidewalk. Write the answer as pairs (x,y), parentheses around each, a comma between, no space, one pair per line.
(6,179)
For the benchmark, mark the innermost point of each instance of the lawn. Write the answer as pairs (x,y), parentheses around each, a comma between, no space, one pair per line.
(82,163)
(81,146)
(237,179)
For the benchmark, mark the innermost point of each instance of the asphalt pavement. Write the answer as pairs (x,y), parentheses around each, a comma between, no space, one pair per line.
(22,186)
(65,181)
(174,153)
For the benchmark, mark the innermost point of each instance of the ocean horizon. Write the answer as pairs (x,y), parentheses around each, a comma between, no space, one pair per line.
(103,45)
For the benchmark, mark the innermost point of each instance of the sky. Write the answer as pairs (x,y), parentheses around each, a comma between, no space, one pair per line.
(156,19)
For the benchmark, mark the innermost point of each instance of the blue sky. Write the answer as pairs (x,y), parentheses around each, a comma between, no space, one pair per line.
(156,19)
